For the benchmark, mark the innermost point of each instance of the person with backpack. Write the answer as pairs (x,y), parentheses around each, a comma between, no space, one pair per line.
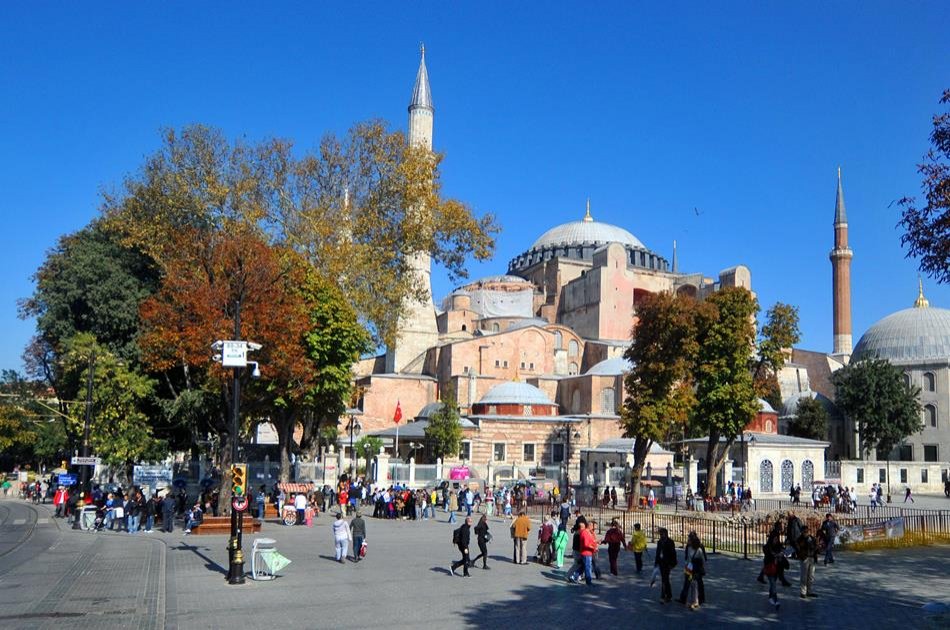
(545,540)
(483,538)
(461,537)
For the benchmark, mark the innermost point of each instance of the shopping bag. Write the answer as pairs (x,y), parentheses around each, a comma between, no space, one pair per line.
(274,561)
(656,574)
(363,550)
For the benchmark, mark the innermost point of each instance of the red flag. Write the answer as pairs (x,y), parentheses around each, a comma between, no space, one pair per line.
(398,415)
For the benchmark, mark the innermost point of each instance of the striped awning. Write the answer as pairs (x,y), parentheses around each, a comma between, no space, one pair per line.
(295,487)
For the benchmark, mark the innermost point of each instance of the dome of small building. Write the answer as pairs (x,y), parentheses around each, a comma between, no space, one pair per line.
(581,232)
(515,393)
(610,367)
(916,334)
(790,405)
(429,410)
(765,407)
(527,322)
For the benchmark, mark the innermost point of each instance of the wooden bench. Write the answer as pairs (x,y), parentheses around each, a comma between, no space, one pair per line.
(222,525)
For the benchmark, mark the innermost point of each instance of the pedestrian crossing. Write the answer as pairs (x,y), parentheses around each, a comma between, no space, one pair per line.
(23,521)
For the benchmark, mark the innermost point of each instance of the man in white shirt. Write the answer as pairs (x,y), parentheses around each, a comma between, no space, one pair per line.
(300,504)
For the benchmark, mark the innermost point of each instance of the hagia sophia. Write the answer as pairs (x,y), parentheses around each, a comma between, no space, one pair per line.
(534,357)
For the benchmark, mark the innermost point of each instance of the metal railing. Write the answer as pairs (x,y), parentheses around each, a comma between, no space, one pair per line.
(866,511)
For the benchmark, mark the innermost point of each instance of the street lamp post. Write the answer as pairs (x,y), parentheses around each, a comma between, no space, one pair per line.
(87,421)
(354,428)
(566,433)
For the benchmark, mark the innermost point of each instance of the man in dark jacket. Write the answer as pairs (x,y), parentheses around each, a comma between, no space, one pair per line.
(462,540)
(168,512)
(807,553)
(793,531)
(358,530)
(665,560)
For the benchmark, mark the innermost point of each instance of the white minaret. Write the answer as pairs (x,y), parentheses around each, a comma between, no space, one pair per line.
(418,330)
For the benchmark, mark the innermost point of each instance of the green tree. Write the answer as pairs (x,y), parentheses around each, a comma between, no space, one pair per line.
(368,447)
(726,399)
(874,396)
(119,432)
(659,388)
(810,421)
(776,339)
(444,431)
(927,227)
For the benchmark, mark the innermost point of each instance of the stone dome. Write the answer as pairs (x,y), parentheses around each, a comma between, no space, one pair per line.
(610,367)
(514,393)
(765,407)
(429,410)
(580,232)
(913,335)
(790,404)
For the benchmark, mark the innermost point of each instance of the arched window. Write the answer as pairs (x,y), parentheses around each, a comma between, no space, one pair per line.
(930,382)
(572,348)
(788,475)
(464,327)
(572,368)
(558,340)
(495,327)
(930,416)
(607,400)
(765,476)
(906,379)
(808,473)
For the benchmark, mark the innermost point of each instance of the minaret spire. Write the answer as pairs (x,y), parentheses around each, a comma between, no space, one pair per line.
(421,93)
(675,265)
(587,217)
(841,278)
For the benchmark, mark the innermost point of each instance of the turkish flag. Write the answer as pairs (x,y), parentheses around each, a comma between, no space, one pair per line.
(398,415)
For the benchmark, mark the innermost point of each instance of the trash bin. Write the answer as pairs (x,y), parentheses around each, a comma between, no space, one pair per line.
(88,517)
(259,570)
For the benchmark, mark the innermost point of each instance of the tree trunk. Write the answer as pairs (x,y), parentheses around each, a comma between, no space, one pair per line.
(285,422)
(224,493)
(641,448)
(715,458)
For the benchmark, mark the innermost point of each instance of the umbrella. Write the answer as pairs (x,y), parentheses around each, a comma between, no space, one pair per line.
(274,561)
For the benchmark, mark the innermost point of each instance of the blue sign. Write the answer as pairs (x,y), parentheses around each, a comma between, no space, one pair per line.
(67,480)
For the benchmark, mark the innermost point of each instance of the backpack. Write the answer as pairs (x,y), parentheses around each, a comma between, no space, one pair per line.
(457,536)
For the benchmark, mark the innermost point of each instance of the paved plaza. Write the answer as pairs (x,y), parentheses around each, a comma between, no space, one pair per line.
(53,577)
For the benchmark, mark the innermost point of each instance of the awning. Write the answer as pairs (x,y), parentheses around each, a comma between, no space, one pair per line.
(295,487)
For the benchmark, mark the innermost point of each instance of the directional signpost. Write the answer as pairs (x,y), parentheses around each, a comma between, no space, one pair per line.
(86,461)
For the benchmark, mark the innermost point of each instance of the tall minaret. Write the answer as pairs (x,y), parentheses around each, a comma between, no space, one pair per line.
(841,279)
(417,331)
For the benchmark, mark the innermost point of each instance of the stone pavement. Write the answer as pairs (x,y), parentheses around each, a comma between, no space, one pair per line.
(106,580)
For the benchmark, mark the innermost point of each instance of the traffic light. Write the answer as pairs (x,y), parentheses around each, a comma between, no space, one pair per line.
(238,479)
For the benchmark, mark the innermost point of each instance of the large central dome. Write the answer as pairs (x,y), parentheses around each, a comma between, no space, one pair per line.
(581,232)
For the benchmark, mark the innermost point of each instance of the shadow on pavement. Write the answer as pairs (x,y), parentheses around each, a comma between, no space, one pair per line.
(209,563)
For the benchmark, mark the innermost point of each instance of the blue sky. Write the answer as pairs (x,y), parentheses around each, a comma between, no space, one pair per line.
(741,110)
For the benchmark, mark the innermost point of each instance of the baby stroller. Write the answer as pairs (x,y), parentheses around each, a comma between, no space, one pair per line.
(98,524)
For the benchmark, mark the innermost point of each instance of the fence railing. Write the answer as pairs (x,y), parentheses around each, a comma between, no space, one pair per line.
(866,511)
(744,535)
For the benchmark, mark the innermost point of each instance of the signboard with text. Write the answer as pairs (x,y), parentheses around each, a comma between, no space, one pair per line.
(86,461)
(152,476)
(234,354)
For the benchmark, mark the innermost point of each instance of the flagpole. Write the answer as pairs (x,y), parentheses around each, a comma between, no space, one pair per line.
(396,449)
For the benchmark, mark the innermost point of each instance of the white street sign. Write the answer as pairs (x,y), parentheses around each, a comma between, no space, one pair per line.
(86,461)
(234,354)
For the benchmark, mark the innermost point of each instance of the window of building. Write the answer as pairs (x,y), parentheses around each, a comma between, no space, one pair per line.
(765,476)
(808,473)
(576,401)
(572,369)
(522,365)
(906,453)
(504,364)
(607,404)
(572,348)
(497,363)
(464,327)
(923,475)
(528,452)
(930,382)
(531,366)
(492,410)
(495,327)
(557,453)
(527,410)
(882,475)
(465,450)
(860,472)
(931,453)
(558,340)
(903,475)
(930,416)
(498,451)
(788,475)
(906,379)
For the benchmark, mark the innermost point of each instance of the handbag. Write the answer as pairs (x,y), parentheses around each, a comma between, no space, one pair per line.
(363,550)
(119,512)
